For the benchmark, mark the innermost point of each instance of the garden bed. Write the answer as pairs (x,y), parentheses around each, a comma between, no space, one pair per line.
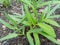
(21,40)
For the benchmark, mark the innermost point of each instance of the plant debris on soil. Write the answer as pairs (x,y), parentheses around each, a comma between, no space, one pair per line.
(21,40)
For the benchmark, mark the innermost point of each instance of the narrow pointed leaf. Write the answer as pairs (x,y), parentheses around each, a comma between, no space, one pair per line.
(11,20)
(6,24)
(14,18)
(25,23)
(36,37)
(53,10)
(54,16)
(43,15)
(52,22)
(21,20)
(30,39)
(47,3)
(9,36)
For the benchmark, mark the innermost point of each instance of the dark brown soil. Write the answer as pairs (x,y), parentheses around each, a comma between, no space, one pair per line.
(21,40)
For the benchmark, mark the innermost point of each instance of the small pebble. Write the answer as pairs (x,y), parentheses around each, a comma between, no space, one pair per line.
(4,27)
(0,44)
(5,43)
(58,40)
(4,32)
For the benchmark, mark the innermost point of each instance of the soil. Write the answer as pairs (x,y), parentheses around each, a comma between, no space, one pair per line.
(21,40)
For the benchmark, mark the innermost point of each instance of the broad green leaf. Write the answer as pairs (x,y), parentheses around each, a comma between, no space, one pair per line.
(47,29)
(37,41)
(6,24)
(39,31)
(50,38)
(9,36)
(30,39)
(54,16)
(11,20)
(52,22)
(36,37)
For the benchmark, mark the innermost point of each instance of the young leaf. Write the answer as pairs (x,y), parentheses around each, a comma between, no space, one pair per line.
(47,29)
(52,10)
(14,18)
(21,21)
(6,24)
(30,39)
(51,22)
(9,36)
(36,37)
(54,16)
(39,5)
(35,11)
(30,18)
(17,15)
(43,15)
